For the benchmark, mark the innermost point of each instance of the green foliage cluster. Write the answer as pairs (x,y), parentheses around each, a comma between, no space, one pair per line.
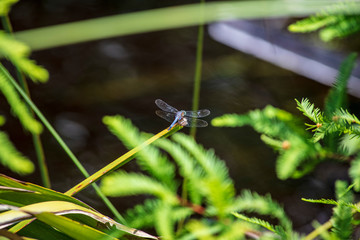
(206,190)
(335,135)
(284,133)
(18,54)
(12,158)
(300,151)
(18,106)
(332,24)
(342,213)
(192,194)
(9,156)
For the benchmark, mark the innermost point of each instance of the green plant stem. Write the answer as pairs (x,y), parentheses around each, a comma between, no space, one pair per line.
(197,77)
(169,18)
(117,162)
(319,230)
(60,141)
(325,226)
(35,137)
(5,21)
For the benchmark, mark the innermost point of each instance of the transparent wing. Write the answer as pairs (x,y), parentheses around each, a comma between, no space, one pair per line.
(164,106)
(170,117)
(197,114)
(192,122)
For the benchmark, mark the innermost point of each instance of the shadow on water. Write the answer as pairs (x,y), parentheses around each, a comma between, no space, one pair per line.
(125,75)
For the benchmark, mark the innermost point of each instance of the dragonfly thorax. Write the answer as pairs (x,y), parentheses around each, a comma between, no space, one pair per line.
(180,114)
(183,122)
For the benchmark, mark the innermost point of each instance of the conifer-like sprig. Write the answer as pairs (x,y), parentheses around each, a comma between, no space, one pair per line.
(17,105)
(342,216)
(265,224)
(215,184)
(343,122)
(349,144)
(212,165)
(252,202)
(345,26)
(164,222)
(141,215)
(12,158)
(264,205)
(337,96)
(18,53)
(354,172)
(257,221)
(333,24)
(346,116)
(293,161)
(284,133)
(210,191)
(342,219)
(187,168)
(309,110)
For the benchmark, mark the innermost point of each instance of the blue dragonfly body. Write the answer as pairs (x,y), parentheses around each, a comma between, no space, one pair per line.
(183,118)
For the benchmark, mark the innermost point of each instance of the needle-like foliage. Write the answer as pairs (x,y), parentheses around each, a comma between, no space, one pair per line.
(333,25)
(12,158)
(207,190)
(342,227)
(336,98)
(265,224)
(264,205)
(17,105)
(18,53)
(282,128)
(354,171)
(299,151)
(343,215)
(309,110)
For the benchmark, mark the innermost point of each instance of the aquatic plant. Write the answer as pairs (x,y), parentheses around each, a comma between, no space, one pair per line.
(334,136)
(192,194)
(330,23)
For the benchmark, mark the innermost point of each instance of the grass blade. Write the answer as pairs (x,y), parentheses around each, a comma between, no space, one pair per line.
(167,18)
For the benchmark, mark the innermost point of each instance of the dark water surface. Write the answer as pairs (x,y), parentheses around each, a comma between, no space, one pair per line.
(125,75)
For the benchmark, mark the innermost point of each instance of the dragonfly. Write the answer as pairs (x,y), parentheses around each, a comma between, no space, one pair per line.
(183,118)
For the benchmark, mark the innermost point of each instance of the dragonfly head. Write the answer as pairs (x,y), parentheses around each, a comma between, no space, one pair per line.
(182,113)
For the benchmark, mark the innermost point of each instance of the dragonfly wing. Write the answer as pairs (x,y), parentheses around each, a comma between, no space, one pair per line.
(192,122)
(164,106)
(196,114)
(170,117)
